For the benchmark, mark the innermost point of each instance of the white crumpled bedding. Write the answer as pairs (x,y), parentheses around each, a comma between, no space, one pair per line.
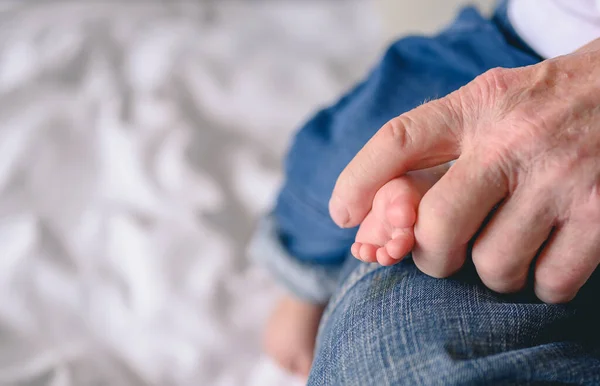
(138,143)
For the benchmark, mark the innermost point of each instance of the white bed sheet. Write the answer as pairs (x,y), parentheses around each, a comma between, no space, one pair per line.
(138,143)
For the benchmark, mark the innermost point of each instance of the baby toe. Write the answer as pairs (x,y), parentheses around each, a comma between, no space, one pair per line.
(401,244)
(384,258)
(367,253)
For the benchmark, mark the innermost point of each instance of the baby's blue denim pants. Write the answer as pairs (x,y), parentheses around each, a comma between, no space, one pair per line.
(395,325)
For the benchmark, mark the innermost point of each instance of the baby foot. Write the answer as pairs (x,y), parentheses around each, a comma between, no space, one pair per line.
(291,333)
(386,234)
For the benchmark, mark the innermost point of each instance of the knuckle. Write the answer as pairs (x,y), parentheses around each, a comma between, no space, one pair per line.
(398,131)
(497,276)
(486,266)
(554,288)
(496,77)
(545,76)
(492,83)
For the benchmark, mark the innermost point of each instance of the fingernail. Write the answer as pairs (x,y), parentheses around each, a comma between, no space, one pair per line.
(338,212)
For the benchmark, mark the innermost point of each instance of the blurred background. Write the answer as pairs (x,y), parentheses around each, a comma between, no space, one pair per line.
(139,143)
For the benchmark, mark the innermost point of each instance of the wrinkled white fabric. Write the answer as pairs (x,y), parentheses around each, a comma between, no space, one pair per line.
(555,27)
(137,144)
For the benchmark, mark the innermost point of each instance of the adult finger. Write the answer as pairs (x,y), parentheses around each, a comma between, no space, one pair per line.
(452,211)
(565,264)
(504,250)
(425,136)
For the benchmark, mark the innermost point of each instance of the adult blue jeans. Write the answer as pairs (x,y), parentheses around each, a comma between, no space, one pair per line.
(396,325)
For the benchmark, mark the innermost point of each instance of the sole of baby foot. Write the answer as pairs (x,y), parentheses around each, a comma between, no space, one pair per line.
(386,235)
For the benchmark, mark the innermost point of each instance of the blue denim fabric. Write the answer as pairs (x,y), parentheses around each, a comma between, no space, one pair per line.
(299,243)
(398,326)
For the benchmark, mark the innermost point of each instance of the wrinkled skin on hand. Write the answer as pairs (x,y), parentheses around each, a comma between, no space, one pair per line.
(526,139)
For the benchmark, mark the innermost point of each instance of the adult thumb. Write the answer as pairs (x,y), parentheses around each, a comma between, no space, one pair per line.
(426,136)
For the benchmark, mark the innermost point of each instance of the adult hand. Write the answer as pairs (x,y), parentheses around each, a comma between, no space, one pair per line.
(527,139)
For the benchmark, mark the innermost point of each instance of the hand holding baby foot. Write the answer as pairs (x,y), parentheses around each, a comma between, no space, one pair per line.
(527,147)
(386,234)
